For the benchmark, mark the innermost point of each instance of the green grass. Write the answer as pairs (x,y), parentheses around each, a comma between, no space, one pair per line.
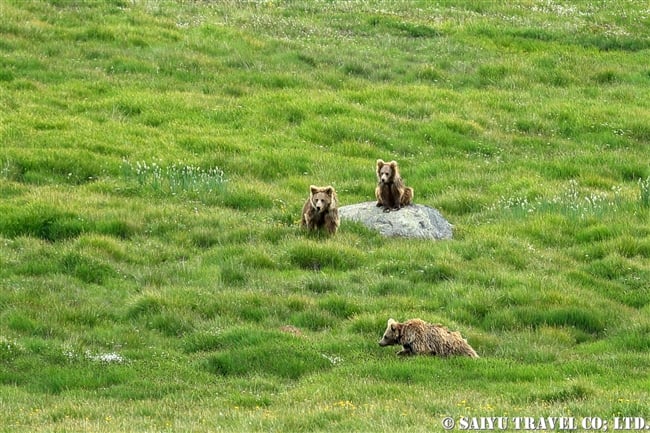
(155,157)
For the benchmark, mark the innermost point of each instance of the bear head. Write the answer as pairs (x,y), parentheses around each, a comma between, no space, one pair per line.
(386,171)
(392,334)
(321,198)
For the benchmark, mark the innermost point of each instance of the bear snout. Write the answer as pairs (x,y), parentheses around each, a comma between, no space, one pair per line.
(319,205)
(384,342)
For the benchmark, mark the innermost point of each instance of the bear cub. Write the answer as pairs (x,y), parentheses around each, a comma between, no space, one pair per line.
(321,210)
(391,192)
(419,337)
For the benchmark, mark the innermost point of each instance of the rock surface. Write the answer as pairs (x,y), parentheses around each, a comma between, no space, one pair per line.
(414,221)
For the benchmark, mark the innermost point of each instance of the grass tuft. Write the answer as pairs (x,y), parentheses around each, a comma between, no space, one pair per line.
(86,269)
(147,305)
(174,179)
(644,193)
(169,324)
(319,284)
(339,307)
(312,320)
(41,221)
(314,256)
(265,353)
(571,394)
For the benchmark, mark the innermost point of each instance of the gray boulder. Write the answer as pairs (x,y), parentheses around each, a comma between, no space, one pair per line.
(414,221)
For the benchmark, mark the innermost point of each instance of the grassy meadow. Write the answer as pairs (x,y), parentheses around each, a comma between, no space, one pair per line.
(155,156)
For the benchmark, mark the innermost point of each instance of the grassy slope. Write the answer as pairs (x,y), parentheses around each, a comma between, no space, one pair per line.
(132,301)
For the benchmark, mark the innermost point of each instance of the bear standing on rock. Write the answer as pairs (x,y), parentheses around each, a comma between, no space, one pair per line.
(321,209)
(391,192)
(418,337)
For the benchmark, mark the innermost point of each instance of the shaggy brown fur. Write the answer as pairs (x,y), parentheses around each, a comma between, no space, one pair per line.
(321,209)
(419,337)
(391,192)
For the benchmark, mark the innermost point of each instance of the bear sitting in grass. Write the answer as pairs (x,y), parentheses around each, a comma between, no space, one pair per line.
(321,210)
(391,192)
(419,337)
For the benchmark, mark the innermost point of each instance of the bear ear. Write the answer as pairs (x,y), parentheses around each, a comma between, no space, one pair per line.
(313,189)
(393,164)
(329,190)
(380,163)
(391,323)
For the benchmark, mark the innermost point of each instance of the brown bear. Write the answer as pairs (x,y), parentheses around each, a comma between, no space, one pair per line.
(419,337)
(391,192)
(321,210)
